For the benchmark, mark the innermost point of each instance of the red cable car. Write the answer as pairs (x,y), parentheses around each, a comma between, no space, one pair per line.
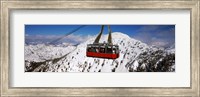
(103,50)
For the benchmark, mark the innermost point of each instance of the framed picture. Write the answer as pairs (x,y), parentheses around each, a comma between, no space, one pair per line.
(100,48)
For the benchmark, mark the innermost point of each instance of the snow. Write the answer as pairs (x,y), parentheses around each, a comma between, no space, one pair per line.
(77,61)
(135,65)
(143,66)
(42,52)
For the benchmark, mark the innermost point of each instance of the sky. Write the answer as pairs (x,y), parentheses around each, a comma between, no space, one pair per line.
(159,35)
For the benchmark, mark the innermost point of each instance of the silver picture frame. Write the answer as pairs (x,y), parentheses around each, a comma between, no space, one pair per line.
(8,5)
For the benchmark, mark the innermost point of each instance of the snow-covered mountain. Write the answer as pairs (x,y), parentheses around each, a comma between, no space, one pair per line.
(171,49)
(134,56)
(42,52)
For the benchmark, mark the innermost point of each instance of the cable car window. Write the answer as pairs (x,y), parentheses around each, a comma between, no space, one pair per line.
(102,50)
(109,50)
(97,50)
(92,50)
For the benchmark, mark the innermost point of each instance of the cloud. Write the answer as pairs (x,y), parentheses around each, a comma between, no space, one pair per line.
(160,43)
(78,38)
(72,39)
(162,36)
